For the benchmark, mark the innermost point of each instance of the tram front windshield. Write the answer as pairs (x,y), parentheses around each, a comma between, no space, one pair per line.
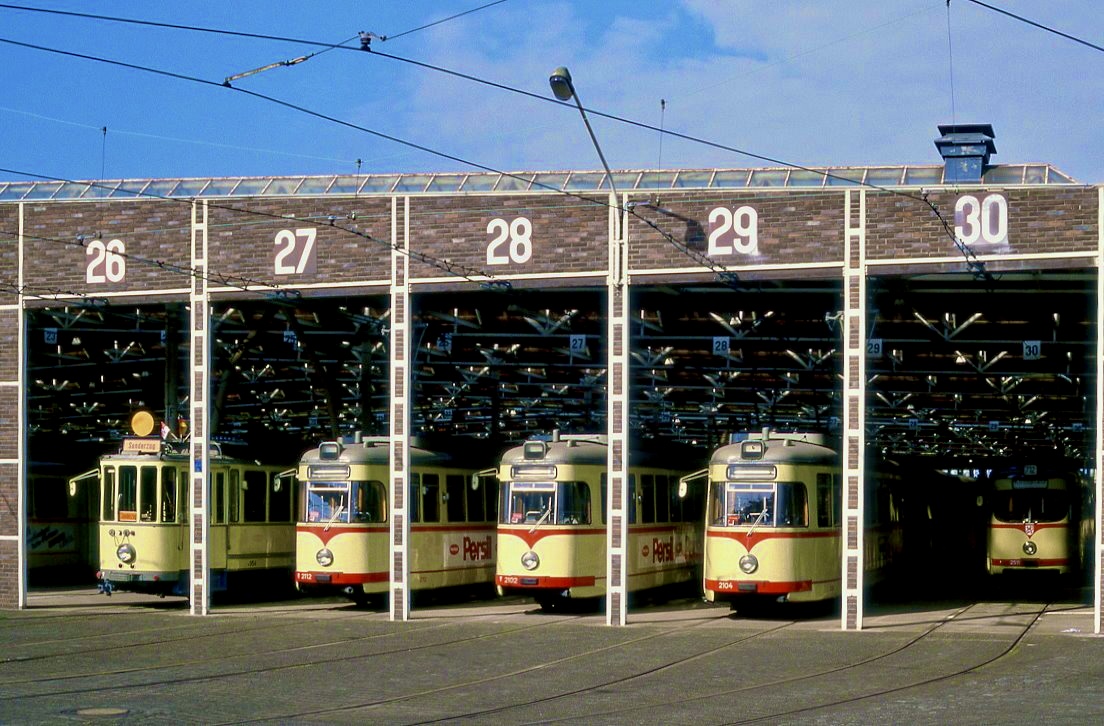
(762,505)
(565,502)
(1030,505)
(345,502)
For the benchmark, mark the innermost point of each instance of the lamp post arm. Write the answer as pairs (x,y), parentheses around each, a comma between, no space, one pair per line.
(597,146)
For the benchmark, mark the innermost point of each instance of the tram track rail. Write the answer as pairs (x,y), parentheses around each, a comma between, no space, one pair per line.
(348,708)
(956,616)
(343,642)
(1004,653)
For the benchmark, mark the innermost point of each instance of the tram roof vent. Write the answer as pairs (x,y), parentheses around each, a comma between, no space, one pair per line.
(965,149)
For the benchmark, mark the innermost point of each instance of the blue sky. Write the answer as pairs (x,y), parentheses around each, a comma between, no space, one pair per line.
(826,82)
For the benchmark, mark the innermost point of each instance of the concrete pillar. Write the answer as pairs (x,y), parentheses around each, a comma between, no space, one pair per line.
(399,355)
(618,495)
(854,408)
(200,382)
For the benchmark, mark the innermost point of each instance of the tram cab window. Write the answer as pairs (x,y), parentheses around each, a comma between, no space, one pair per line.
(760,505)
(454,497)
(253,495)
(109,494)
(369,502)
(743,507)
(531,507)
(327,503)
(168,494)
(147,494)
(127,494)
(1035,505)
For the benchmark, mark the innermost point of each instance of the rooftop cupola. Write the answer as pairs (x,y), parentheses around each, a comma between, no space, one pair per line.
(965,149)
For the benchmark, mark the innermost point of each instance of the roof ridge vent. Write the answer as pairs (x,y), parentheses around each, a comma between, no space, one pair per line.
(965,149)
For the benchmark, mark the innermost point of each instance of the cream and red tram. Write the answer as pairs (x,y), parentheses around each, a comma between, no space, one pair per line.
(342,539)
(1033,520)
(552,523)
(144,540)
(772,529)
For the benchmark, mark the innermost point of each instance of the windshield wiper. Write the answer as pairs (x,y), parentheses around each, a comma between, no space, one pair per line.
(336,514)
(542,519)
(758,519)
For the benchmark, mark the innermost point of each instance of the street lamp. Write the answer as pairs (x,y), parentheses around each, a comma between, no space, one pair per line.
(564,90)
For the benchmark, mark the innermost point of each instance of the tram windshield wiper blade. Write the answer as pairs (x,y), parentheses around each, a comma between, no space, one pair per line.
(758,518)
(336,514)
(541,521)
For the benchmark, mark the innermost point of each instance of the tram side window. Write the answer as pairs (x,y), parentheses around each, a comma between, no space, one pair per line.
(632,500)
(477,510)
(604,493)
(454,497)
(431,498)
(716,503)
(128,494)
(235,495)
(574,503)
(220,498)
(647,499)
(415,499)
(168,494)
(793,509)
(147,494)
(109,494)
(490,488)
(678,506)
(824,499)
(279,500)
(253,495)
(369,500)
(663,498)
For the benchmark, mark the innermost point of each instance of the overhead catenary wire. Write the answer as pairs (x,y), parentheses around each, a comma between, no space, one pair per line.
(1040,26)
(976,266)
(445,265)
(238,33)
(249,285)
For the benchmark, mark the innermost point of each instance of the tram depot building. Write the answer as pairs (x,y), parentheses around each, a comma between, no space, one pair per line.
(941,315)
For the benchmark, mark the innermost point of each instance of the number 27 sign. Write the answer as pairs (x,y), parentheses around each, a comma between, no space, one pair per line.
(295,251)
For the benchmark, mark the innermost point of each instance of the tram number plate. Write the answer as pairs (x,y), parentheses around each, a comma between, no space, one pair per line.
(510,580)
(725,585)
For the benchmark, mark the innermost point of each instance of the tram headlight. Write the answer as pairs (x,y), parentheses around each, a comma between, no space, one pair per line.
(324,557)
(749,564)
(1030,548)
(125,553)
(530,561)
